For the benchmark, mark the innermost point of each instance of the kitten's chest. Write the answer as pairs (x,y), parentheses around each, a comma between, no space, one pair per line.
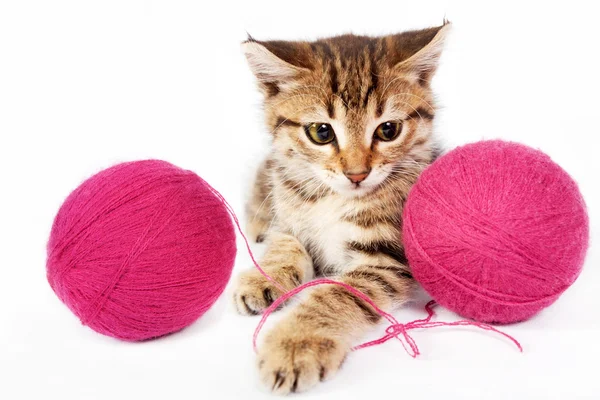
(321,228)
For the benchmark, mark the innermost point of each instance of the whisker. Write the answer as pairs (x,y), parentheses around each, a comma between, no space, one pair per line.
(390,83)
(270,194)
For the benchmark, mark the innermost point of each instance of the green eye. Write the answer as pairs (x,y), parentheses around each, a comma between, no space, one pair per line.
(388,131)
(320,133)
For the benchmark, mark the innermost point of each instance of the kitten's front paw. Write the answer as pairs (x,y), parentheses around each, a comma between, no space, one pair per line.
(254,293)
(293,361)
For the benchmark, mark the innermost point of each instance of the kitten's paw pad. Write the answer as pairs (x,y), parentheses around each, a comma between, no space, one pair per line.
(295,363)
(254,293)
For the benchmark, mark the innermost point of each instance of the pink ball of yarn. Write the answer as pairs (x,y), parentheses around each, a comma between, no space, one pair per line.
(495,231)
(141,250)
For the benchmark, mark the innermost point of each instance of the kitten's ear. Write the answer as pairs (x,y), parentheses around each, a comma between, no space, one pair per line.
(276,63)
(417,53)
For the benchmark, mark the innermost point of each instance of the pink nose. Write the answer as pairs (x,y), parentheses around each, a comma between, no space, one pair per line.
(357,178)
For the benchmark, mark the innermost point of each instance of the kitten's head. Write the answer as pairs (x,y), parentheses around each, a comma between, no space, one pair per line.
(349,111)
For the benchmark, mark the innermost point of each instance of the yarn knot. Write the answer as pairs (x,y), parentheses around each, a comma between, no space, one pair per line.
(400,331)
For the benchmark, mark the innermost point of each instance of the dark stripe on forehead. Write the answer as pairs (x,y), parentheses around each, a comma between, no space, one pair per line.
(372,86)
(333,77)
(330,109)
(373,68)
(372,46)
(379,110)
(383,43)
(329,57)
(421,113)
(281,121)
(324,48)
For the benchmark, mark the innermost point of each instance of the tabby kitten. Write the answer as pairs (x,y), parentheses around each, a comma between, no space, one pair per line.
(351,121)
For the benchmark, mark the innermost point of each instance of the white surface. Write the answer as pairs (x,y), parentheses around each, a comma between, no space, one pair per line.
(86,84)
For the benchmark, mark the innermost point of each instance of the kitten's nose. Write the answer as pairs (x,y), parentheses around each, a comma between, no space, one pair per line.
(357,177)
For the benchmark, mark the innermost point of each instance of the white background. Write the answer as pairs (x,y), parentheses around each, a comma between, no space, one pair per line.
(87,84)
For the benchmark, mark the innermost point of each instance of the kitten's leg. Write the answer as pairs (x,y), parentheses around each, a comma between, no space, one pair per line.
(310,344)
(286,261)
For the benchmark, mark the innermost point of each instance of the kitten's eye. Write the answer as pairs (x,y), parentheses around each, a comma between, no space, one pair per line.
(388,131)
(320,133)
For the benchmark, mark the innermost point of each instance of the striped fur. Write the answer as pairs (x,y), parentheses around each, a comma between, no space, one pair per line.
(315,220)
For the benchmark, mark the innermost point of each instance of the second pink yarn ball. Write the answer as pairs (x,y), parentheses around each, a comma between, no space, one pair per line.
(495,231)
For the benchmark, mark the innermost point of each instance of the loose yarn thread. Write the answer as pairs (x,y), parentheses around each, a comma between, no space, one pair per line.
(395,330)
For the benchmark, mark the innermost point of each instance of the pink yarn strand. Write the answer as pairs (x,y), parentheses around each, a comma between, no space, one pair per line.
(240,230)
(395,330)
